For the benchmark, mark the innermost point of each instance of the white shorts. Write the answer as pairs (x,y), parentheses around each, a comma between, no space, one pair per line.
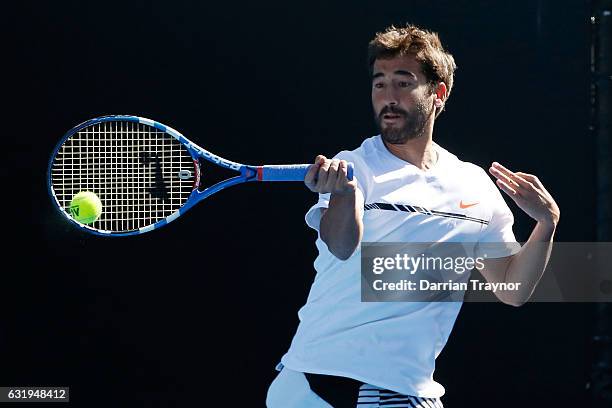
(290,389)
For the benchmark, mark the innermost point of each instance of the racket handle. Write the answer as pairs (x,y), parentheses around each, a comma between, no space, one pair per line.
(290,172)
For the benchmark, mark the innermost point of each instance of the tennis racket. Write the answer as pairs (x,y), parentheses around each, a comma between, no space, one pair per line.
(146,174)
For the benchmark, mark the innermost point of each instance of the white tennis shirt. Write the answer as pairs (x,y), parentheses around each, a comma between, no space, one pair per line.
(394,344)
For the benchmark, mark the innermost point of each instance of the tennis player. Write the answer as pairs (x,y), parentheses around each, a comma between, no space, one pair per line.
(348,353)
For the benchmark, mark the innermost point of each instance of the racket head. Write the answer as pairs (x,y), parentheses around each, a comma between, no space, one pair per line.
(145,173)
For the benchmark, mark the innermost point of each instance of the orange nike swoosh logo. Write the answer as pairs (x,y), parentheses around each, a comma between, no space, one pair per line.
(461,205)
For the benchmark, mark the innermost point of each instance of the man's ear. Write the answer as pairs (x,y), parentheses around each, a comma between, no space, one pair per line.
(440,92)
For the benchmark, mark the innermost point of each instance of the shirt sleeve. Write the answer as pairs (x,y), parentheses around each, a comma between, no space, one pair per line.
(313,215)
(497,239)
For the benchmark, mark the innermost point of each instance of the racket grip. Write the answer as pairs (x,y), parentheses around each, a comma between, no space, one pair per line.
(291,172)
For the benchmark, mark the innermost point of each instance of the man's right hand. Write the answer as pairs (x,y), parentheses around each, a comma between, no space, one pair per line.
(329,176)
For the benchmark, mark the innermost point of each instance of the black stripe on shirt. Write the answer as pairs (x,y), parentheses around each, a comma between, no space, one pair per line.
(421,210)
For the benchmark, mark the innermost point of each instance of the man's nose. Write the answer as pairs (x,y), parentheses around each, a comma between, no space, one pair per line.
(391,97)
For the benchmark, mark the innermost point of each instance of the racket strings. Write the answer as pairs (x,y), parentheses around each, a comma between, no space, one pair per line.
(141,174)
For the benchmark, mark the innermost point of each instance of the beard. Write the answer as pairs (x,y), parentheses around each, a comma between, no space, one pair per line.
(412,128)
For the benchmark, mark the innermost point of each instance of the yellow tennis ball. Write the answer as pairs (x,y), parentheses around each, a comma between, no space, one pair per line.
(85,207)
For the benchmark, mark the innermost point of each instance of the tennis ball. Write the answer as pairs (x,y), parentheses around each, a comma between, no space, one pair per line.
(85,207)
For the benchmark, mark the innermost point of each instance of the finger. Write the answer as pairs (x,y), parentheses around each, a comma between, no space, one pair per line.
(503,176)
(343,168)
(530,178)
(335,164)
(332,175)
(501,168)
(311,174)
(506,188)
(516,177)
(531,182)
(526,176)
(341,179)
(323,173)
(537,183)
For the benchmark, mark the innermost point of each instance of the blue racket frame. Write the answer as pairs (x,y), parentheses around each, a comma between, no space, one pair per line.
(248,173)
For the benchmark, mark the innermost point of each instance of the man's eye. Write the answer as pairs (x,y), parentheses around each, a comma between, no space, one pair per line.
(378,85)
(404,84)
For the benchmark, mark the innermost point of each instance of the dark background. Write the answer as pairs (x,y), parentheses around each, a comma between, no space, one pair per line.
(200,312)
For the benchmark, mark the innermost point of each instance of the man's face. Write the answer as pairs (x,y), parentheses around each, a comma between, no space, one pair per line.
(402,99)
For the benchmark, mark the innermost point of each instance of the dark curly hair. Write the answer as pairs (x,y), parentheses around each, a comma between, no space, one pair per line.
(437,64)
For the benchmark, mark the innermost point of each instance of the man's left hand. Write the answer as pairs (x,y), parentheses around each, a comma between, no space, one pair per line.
(528,193)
